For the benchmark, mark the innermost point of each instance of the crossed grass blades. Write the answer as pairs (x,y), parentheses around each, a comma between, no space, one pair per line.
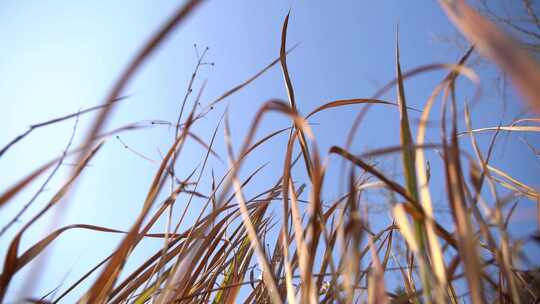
(224,256)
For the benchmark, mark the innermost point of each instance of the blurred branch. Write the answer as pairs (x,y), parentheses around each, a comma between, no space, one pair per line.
(525,25)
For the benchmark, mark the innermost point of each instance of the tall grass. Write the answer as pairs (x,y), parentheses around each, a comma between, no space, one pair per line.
(317,251)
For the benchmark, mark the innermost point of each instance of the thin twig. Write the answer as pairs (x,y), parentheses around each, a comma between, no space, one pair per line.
(48,179)
(53,121)
(189,90)
(135,151)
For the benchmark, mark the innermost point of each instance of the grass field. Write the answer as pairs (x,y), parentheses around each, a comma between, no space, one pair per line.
(286,243)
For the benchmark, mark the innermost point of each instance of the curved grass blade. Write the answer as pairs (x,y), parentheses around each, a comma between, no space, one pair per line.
(12,261)
(290,93)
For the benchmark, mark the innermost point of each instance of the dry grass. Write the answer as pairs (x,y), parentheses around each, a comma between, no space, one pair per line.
(317,251)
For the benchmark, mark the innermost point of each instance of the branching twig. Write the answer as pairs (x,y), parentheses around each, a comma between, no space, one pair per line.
(53,172)
(200,62)
(135,151)
(189,90)
(52,121)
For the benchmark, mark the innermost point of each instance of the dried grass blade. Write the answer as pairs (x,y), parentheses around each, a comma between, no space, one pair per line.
(425,196)
(290,93)
(11,261)
(467,244)
(256,244)
(409,169)
(246,82)
(347,102)
(377,287)
(391,184)
(515,184)
(41,245)
(301,246)
(288,272)
(407,144)
(532,129)
(502,252)
(100,290)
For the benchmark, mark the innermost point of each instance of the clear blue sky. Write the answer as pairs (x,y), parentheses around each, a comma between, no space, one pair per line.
(61,56)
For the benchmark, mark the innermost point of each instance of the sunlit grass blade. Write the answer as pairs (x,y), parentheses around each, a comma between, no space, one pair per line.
(269,279)
(456,188)
(409,169)
(532,129)
(503,254)
(423,181)
(512,183)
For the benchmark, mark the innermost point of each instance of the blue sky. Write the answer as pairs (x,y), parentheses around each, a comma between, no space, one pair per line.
(61,56)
